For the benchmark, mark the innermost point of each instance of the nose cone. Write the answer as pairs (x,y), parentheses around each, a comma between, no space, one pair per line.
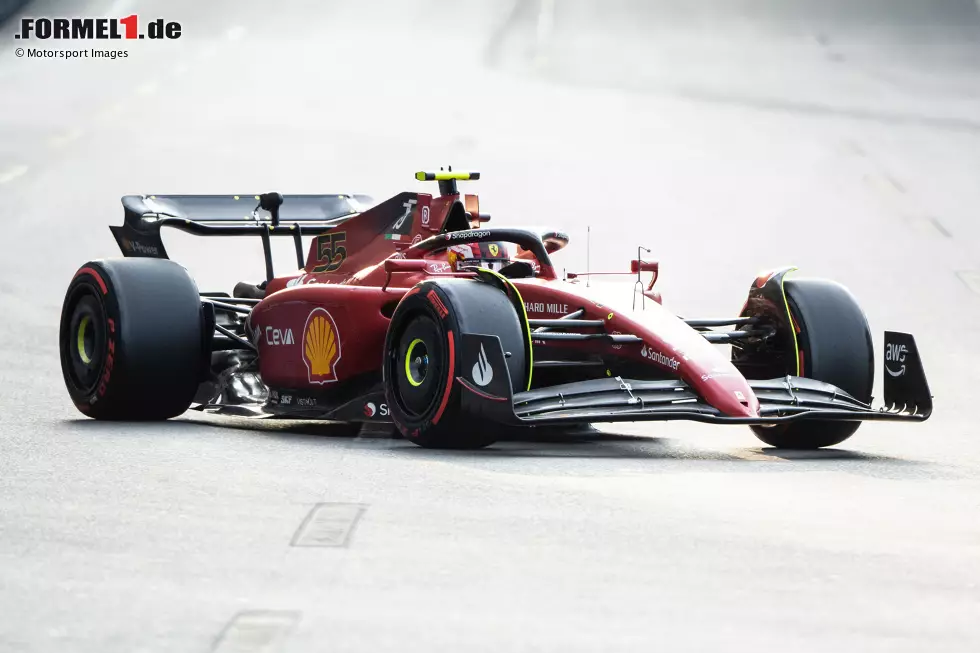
(745,403)
(733,396)
(668,343)
(724,387)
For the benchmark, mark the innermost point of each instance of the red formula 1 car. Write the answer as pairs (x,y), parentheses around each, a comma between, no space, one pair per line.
(414,311)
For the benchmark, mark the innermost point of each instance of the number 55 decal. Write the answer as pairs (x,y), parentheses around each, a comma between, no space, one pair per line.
(330,252)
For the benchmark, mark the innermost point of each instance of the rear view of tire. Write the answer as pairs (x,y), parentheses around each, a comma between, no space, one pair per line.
(422,359)
(835,347)
(131,340)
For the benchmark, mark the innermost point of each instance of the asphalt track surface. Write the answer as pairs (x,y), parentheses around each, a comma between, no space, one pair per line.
(842,137)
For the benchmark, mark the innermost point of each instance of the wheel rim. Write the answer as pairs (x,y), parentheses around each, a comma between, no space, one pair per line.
(85,342)
(418,364)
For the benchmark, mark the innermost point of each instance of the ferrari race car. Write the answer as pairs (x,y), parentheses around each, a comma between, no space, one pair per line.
(413,311)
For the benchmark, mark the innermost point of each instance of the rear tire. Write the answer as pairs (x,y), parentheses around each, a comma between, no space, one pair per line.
(836,347)
(422,359)
(131,339)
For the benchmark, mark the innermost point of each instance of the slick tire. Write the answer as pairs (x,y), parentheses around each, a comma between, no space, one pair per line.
(835,345)
(422,359)
(132,342)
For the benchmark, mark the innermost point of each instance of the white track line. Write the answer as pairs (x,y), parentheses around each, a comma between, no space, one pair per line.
(10,173)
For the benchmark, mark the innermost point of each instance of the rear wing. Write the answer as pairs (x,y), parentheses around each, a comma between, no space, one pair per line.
(264,215)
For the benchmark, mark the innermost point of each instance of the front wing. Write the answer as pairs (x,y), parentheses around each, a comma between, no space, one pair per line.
(785,399)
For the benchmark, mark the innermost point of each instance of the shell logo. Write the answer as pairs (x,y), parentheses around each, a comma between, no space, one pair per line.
(321,347)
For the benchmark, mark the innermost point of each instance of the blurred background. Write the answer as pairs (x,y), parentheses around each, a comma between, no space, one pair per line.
(728,136)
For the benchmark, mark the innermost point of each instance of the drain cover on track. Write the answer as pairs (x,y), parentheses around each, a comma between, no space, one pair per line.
(329,524)
(258,631)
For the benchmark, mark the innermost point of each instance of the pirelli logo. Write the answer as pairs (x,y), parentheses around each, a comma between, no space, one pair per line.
(437,304)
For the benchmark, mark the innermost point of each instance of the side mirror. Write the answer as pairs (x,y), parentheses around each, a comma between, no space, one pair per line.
(637,266)
(554,241)
(393,265)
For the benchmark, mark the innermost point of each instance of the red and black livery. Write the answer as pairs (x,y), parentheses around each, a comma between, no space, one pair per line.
(414,311)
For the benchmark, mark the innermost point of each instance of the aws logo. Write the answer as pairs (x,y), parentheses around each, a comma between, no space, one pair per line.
(321,347)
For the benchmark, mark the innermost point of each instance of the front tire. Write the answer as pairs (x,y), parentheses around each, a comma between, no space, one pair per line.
(834,346)
(422,360)
(131,339)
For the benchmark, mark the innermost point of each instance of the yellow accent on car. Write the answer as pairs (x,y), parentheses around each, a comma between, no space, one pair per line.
(789,316)
(446,176)
(408,360)
(82,327)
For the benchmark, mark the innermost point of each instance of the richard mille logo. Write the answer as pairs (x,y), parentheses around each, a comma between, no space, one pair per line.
(482,372)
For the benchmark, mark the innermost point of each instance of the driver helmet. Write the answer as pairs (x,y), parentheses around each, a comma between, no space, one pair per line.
(493,256)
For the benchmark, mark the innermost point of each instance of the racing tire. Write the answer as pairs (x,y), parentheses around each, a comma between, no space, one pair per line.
(132,339)
(835,347)
(422,359)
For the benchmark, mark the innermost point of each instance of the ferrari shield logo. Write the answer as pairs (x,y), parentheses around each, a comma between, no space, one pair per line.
(494,249)
(321,347)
